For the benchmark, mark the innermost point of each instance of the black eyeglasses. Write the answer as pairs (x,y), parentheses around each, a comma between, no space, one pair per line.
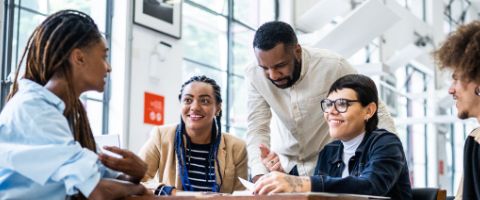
(341,105)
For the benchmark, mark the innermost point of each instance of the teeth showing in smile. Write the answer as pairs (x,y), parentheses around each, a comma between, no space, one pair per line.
(195,117)
(335,122)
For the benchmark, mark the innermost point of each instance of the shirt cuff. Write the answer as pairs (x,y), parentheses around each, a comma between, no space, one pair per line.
(164,190)
(107,172)
(87,186)
(286,164)
(317,183)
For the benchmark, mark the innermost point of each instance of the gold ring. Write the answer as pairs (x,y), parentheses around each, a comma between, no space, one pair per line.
(272,162)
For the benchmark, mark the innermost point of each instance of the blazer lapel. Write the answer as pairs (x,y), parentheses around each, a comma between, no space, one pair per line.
(221,156)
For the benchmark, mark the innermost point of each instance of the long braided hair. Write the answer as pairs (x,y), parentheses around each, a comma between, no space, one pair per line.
(47,54)
(215,138)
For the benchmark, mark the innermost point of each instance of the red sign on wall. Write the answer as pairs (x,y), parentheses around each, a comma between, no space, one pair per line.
(153,112)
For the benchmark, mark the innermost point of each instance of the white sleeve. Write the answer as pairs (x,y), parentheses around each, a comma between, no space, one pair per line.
(258,128)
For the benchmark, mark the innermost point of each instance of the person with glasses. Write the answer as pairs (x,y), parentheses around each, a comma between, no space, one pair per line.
(363,160)
(284,87)
(195,155)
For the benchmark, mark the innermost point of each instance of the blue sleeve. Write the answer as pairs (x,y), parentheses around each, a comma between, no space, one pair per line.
(39,145)
(164,190)
(381,172)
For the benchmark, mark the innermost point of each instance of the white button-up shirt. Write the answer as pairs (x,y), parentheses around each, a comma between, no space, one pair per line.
(290,120)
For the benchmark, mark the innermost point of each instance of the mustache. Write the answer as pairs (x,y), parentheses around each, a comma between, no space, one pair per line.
(278,80)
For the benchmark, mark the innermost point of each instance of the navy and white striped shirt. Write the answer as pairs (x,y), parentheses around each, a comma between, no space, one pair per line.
(201,179)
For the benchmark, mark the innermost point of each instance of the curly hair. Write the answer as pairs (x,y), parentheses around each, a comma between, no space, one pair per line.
(461,52)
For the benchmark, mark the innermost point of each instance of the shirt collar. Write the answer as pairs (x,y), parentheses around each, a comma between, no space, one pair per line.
(361,147)
(304,66)
(352,144)
(338,155)
(50,97)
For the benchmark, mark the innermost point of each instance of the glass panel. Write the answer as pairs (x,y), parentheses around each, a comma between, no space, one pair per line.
(95,8)
(246,11)
(28,22)
(239,132)
(267,11)
(238,110)
(242,48)
(191,69)
(205,38)
(219,6)
(94,112)
(32,4)
(253,12)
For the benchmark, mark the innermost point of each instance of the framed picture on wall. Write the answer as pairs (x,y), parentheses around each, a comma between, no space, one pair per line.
(164,16)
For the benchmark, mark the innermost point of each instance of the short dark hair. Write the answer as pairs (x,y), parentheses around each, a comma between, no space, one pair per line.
(461,51)
(366,93)
(271,33)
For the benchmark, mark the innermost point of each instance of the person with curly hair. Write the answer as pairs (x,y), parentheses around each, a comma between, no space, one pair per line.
(461,54)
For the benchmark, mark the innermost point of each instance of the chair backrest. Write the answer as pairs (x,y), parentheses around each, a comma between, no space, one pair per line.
(429,194)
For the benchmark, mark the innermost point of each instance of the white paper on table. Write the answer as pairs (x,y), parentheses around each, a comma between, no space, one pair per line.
(249,191)
(249,185)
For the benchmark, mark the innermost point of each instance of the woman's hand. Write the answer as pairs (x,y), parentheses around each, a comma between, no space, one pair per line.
(130,164)
(270,159)
(276,182)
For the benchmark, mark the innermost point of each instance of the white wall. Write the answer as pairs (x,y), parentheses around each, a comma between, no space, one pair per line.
(168,84)
(132,50)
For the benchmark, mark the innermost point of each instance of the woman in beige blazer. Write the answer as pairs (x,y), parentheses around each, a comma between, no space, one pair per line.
(195,155)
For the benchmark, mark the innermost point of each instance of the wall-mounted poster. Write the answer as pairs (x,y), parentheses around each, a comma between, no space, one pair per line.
(163,16)
(153,109)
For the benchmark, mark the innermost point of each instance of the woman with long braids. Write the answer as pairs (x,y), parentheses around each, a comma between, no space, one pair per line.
(47,150)
(195,155)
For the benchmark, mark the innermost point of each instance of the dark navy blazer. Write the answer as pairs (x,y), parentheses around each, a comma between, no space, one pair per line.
(378,168)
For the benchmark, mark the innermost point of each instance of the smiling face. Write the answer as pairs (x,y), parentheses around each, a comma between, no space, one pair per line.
(91,66)
(281,65)
(199,107)
(466,100)
(347,125)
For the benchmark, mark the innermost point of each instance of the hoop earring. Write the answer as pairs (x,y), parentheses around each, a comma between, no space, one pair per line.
(477,91)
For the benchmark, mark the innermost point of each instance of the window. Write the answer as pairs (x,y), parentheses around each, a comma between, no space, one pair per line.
(217,38)
(25,17)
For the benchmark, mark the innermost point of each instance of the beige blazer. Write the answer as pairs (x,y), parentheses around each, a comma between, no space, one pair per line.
(159,154)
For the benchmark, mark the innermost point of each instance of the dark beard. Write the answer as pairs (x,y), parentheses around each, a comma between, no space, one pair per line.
(297,68)
(463,115)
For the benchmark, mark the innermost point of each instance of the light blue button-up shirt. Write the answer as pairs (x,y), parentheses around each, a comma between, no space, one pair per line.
(39,158)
